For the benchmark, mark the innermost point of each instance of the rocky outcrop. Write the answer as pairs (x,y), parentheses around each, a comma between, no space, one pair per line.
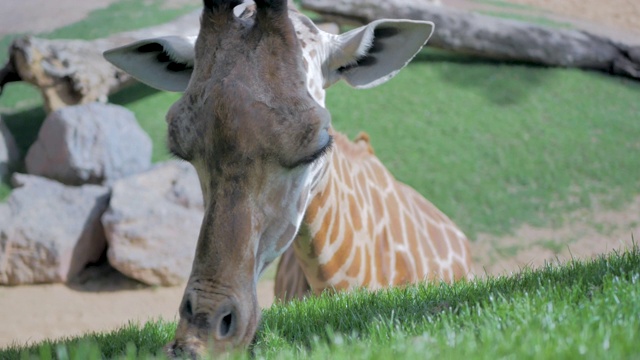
(153,222)
(49,232)
(93,143)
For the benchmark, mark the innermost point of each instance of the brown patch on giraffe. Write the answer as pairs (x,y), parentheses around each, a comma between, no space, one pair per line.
(354,268)
(306,64)
(318,202)
(377,203)
(435,233)
(403,274)
(387,253)
(331,267)
(427,207)
(367,268)
(354,212)
(381,273)
(413,242)
(346,175)
(456,246)
(393,209)
(312,209)
(380,176)
(320,238)
(335,226)
(361,185)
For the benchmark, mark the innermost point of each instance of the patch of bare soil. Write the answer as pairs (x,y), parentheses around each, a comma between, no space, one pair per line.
(586,234)
(615,19)
(35,16)
(103,301)
(623,14)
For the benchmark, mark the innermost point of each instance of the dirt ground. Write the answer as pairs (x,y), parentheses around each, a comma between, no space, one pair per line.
(105,300)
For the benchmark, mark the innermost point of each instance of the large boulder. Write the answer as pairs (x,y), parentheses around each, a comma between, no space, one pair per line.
(92,143)
(49,232)
(9,153)
(153,222)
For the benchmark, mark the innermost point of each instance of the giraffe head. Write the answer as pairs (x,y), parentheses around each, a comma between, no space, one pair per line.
(252,122)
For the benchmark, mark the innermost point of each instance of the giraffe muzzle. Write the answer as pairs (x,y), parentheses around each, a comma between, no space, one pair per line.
(214,320)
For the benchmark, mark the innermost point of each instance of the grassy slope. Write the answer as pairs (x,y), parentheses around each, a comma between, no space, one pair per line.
(581,309)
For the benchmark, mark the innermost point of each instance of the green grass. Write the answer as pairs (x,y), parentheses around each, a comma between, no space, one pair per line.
(583,309)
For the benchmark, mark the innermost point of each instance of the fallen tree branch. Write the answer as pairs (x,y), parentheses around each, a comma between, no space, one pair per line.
(494,38)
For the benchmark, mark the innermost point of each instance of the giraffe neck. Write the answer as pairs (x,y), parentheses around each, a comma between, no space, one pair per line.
(363,228)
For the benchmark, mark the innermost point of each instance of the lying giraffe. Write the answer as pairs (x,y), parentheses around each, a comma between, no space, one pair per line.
(363,228)
(253,123)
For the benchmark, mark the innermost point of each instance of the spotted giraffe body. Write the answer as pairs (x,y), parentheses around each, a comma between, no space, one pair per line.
(363,228)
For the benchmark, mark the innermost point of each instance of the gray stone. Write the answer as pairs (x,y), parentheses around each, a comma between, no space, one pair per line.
(92,143)
(48,231)
(9,153)
(153,222)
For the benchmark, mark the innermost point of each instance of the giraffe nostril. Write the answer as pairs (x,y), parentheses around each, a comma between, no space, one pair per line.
(187,309)
(226,324)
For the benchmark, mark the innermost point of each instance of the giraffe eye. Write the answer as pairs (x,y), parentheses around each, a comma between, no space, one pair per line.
(313,157)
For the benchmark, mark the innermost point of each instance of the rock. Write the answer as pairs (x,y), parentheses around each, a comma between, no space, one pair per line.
(49,232)
(153,222)
(9,153)
(93,143)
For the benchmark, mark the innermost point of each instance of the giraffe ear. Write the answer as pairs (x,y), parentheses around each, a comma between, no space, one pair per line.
(165,63)
(370,55)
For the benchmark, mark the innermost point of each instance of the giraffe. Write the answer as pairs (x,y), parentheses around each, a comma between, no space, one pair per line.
(273,172)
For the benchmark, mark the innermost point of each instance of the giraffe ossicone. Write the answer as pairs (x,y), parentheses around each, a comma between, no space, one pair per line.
(273,173)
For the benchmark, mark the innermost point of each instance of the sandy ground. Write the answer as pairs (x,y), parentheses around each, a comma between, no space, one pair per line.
(103,299)
(624,14)
(36,16)
(585,234)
